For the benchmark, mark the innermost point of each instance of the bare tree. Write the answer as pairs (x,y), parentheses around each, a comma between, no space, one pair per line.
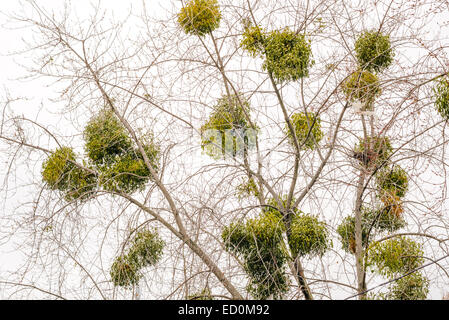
(230,150)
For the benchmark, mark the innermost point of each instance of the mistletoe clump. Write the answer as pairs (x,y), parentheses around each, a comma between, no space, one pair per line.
(441,91)
(60,172)
(388,218)
(373,151)
(287,54)
(106,138)
(307,129)
(308,236)
(346,230)
(259,242)
(111,150)
(227,131)
(247,188)
(373,51)
(412,287)
(362,86)
(145,250)
(392,180)
(124,273)
(129,172)
(200,17)
(253,40)
(396,256)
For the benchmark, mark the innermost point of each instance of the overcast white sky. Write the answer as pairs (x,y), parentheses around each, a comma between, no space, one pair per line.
(11,41)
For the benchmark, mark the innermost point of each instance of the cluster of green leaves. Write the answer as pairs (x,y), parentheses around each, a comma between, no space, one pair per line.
(227,131)
(372,219)
(374,51)
(287,54)
(129,172)
(373,151)
(145,250)
(308,236)
(362,86)
(441,92)
(60,172)
(259,242)
(412,287)
(106,138)
(200,17)
(346,231)
(393,180)
(111,150)
(395,256)
(247,188)
(307,129)
(114,163)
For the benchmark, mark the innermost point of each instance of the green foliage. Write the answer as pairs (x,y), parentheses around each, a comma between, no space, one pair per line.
(346,230)
(57,167)
(259,242)
(392,180)
(441,92)
(106,138)
(129,172)
(308,236)
(124,274)
(395,256)
(145,250)
(373,51)
(412,287)
(287,54)
(362,86)
(200,17)
(60,172)
(384,219)
(253,40)
(307,129)
(247,188)
(227,131)
(374,151)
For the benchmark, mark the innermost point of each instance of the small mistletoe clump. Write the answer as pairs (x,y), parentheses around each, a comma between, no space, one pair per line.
(129,172)
(392,180)
(308,236)
(253,40)
(146,250)
(259,242)
(374,151)
(227,131)
(346,230)
(373,51)
(200,17)
(362,86)
(287,54)
(124,273)
(441,92)
(395,256)
(106,138)
(307,129)
(412,287)
(388,218)
(60,172)
(247,188)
